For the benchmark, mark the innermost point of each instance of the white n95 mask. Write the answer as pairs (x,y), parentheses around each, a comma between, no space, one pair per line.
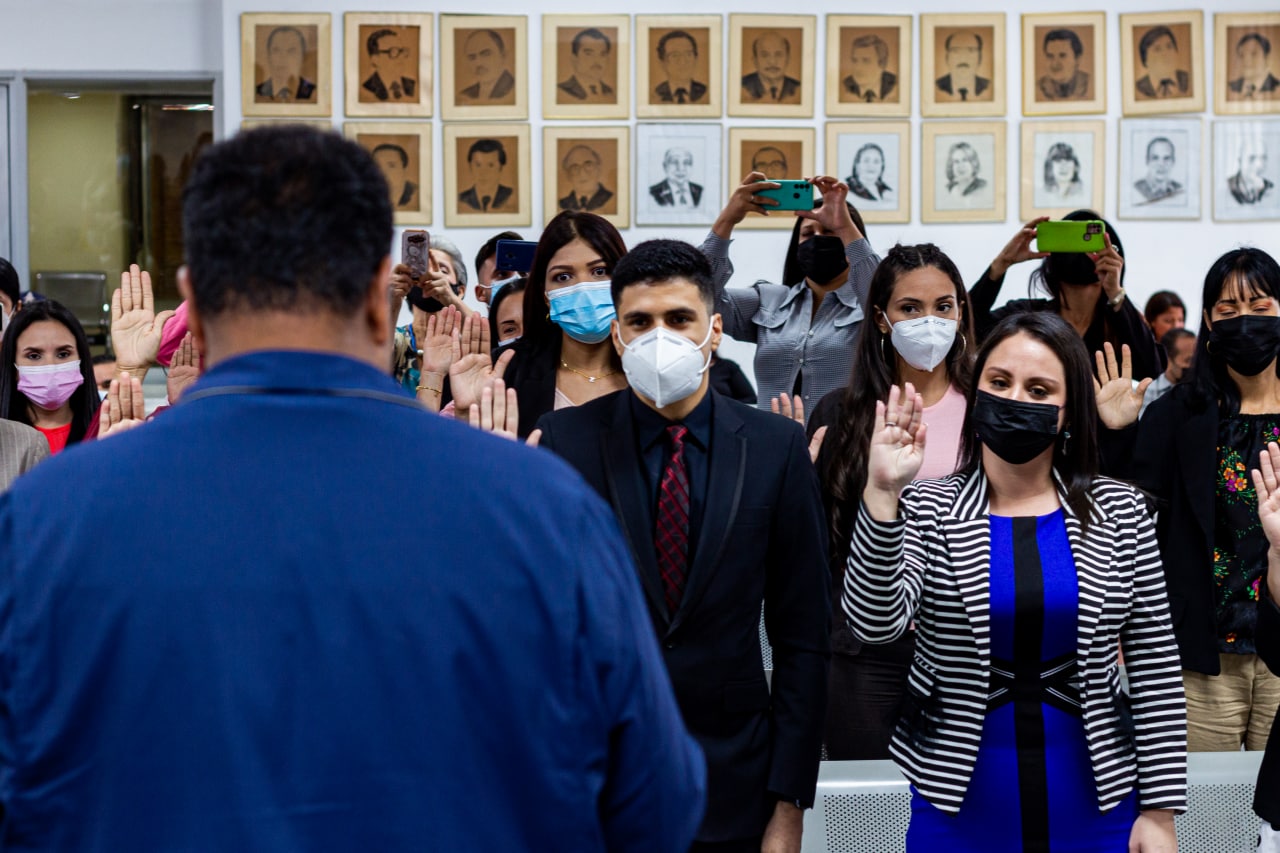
(663,366)
(925,341)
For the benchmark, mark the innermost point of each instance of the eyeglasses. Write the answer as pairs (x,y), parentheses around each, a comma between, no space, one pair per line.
(579,168)
(680,55)
(394,52)
(770,167)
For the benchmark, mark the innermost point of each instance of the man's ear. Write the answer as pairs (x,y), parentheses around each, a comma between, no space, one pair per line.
(615,335)
(376,307)
(195,323)
(717,331)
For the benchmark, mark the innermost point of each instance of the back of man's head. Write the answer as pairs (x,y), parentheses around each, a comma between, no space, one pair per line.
(284,218)
(661,261)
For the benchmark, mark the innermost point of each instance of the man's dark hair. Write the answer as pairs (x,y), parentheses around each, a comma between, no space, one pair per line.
(371,43)
(786,42)
(873,40)
(675,34)
(490,248)
(659,261)
(391,146)
(591,33)
(271,36)
(1171,338)
(285,218)
(497,39)
(488,146)
(1077,47)
(947,43)
(1263,42)
(10,286)
(104,358)
(1151,37)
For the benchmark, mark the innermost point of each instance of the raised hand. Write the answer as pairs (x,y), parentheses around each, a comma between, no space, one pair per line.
(1266,482)
(183,370)
(833,216)
(1119,402)
(793,408)
(469,373)
(434,333)
(1108,264)
(897,444)
(1018,249)
(135,325)
(743,200)
(498,411)
(124,407)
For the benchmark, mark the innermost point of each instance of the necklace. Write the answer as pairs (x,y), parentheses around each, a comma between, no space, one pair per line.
(584,375)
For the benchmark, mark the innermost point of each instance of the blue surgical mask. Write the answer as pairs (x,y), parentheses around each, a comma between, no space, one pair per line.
(506,342)
(583,311)
(495,286)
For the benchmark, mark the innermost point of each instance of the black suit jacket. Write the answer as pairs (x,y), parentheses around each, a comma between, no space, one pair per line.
(1146,87)
(665,95)
(763,537)
(662,194)
(980,84)
(1266,799)
(469,198)
(755,88)
(379,89)
(501,88)
(306,89)
(595,201)
(575,89)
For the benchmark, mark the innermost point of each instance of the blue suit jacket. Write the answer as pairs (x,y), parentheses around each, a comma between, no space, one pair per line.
(285,616)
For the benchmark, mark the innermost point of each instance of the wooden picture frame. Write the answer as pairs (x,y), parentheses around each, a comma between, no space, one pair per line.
(484,67)
(781,153)
(1168,46)
(286,64)
(874,161)
(480,189)
(1064,62)
(1063,167)
(962,171)
(403,151)
(658,92)
(390,64)
(959,52)
(869,55)
(679,173)
(586,66)
(1245,157)
(1246,63)
(587,168)
(771,68)
(1161,164)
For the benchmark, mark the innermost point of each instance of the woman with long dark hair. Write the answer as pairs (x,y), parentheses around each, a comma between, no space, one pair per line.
(46,373)
(919,332)
(1024,573)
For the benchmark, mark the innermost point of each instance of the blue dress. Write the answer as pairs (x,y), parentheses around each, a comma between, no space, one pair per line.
(1032,788)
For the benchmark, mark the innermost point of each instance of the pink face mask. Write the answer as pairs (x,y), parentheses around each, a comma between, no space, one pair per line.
(51,385)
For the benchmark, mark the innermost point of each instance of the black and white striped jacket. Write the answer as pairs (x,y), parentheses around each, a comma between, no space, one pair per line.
(932,565)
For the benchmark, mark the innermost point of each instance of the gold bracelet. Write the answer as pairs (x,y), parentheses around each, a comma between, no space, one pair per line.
(438,390)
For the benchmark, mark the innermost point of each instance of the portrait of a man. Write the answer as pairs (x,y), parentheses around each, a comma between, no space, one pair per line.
(1064,79)
(769,82)
(770,161)
(1249,184)
(869,79)
(483,59)
(392,63)
(393,159)
(286,56)
(486,163)
(962,57)
(583,169)
(677,52)
(677,190)
(592,62)
(1165,68)
(1251,64)
(1158,184)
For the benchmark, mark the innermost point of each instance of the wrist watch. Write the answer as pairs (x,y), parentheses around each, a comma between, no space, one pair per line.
(1115,301)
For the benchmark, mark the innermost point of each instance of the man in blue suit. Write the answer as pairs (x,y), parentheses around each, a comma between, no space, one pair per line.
(244,627)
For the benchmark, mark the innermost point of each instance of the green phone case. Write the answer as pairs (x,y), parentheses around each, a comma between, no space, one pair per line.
(1071,236)
(792,195)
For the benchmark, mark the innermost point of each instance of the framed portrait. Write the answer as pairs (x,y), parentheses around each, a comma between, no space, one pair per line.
(770,65)
(1162,62)
(781,153)
(1063,167)
(1244,179)
(678,66)
(679,174)
(868,65)
(402,151)
(286,65)
(389,64)
(962,171)
(587,168)
(874,161)
(586,66)
(486,175)
(1064,60)
(1246,73)
(484,67)
(962,65)
(1160,163)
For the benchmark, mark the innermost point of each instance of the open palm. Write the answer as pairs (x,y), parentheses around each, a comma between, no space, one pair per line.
(1119,401)
(897,441)
(135,325)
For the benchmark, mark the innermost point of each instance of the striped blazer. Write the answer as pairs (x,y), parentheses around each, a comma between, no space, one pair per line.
(932,565)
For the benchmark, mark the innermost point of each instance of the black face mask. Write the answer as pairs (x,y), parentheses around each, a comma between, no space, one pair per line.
(821,258)
(1248,343)
(1017,432)
(430,304)
(1070,268)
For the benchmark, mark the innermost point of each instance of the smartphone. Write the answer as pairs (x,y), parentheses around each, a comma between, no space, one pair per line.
(515,255)
(791,195)
(414,246)
(1065,235)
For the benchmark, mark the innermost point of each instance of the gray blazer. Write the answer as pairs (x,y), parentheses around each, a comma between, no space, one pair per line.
(21,447)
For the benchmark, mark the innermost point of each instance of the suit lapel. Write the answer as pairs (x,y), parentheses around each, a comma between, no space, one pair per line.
(727,470)
(1091,553)
(1198,432)
(630,499)
(969,557)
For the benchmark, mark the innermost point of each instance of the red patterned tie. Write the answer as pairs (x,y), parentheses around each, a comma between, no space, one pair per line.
(671,533)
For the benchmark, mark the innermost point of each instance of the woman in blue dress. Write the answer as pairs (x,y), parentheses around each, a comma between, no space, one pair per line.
(1025,572)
